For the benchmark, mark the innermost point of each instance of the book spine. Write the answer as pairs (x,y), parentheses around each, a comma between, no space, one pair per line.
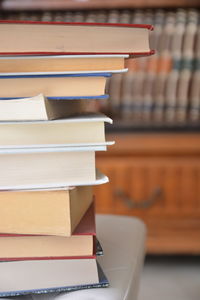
(186,67)
(172,80)
(194,112)
(164,67)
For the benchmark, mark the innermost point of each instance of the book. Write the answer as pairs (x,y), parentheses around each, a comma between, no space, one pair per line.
(46,212)
(53,85)
(47,276)
(86,129)
(41,108)
(29,37)
(48,167)
(81,244)
(41,64)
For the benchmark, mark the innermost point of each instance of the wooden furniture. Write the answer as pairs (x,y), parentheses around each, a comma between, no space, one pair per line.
(157,178)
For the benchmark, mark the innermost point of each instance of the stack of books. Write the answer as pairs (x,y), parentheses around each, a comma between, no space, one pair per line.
(49,133)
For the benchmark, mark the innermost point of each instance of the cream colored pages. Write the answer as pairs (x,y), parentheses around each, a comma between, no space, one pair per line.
(25,170)
(23,109)
(53,86)
(61,63)
(85,129)
(45,246)
(68,38)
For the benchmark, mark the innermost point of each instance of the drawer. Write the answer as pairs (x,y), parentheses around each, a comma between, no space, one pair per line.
(149,186)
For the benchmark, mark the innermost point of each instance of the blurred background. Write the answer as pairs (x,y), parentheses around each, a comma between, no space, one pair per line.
(154,167)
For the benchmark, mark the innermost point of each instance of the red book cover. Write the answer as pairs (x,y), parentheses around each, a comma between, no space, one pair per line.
(61,50)
(86,227)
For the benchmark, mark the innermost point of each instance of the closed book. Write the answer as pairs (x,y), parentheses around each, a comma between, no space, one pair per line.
(28,37)
(48,276)
(86,129)
(45,212)
(81,244)
(53,85)
(48,167)
(41,64)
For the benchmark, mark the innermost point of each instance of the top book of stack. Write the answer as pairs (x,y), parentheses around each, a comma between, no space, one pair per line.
(27,37)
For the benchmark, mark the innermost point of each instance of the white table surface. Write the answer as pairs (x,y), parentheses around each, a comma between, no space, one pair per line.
(122,239)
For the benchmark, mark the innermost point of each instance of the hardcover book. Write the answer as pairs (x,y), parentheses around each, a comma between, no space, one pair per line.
(48,276)
(48,167)
(53,86)
(81,130)
(28,37)
(44,212)
(41,64)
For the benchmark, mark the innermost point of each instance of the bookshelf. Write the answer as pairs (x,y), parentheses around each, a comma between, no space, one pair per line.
(92,4)
(154,165)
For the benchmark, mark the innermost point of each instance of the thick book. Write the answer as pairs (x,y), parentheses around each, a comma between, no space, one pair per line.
(81,244)
(53,86)
(45,212)
(48,276)
(48,167)
(29,37)
(41,64)
(81,130)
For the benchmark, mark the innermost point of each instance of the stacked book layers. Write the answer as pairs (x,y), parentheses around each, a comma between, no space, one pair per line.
(49,133)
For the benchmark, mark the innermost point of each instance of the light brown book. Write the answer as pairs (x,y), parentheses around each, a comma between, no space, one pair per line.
(53,85)
(28,37)
(48,212)
(61,63)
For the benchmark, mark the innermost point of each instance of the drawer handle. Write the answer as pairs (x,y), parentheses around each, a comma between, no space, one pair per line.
(131,203)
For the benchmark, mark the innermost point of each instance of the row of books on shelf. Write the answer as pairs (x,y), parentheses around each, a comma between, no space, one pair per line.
(164,88)
(49,135)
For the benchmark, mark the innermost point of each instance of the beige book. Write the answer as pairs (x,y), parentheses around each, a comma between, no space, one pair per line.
(87,38)
(86,129)
(48,167)
(61,63)
(48,212)
(42,276)
(52,86)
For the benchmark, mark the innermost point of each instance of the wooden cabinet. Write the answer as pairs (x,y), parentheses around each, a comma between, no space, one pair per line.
(157,178)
